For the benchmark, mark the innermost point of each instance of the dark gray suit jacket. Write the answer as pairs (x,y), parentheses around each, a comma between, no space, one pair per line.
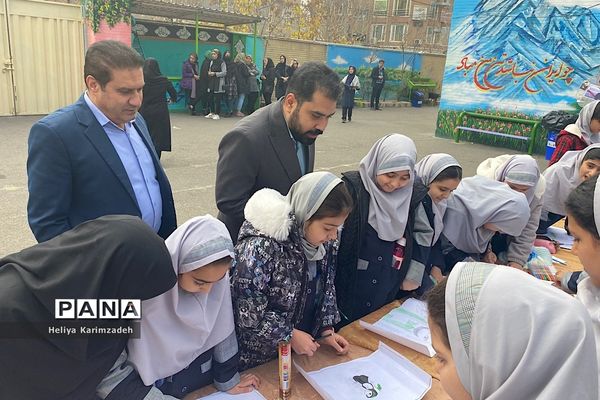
(258,153)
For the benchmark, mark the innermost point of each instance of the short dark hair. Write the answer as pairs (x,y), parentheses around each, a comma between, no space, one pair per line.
(436,306)
(381,60)
(596,113)
(593,154)
(452,172)
(311,77)
(337,202)
(580,206)
(103,57)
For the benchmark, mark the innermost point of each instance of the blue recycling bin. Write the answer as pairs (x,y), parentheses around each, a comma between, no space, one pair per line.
(417,98)
(550,144)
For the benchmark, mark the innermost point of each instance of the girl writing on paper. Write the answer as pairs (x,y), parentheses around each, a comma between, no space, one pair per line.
(564,176)
(583,210)
(187,334)
(477,209)
(375,261)
(441,173)
(522,174)
(284,269)
(105,258)
(577,136)
(473,317)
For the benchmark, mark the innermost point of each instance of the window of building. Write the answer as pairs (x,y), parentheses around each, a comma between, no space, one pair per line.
(380,7)
(401,7)
(434,35)
(419,13)
(378,33)
(398,32)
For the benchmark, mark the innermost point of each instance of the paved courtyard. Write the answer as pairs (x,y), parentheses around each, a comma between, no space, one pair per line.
(192,163)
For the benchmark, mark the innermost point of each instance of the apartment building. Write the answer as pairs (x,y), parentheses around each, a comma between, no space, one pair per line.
(417,25)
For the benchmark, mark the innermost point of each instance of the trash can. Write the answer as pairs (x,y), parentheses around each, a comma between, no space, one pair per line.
(550,144)
(417,98)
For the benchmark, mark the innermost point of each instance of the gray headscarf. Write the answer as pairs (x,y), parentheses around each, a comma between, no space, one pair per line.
(428,169)
(507,334)
(584,120)
(388,212)
(305,197)
(562,178)
(521,169)
(479,200)
(179,326)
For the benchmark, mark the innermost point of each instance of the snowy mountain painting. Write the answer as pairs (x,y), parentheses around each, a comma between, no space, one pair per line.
(519,58)
(521,55)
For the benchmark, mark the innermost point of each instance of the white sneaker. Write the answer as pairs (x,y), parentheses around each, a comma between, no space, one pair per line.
(209,115)
(216,116)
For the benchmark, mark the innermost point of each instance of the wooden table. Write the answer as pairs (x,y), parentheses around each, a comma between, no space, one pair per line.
(301,389)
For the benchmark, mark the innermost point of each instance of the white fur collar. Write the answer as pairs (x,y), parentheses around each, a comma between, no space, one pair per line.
(269,213)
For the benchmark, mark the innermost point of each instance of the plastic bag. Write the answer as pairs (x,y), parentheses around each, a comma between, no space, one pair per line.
(540,265)
(558,120)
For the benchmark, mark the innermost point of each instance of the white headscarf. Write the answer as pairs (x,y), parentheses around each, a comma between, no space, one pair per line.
(477,201)
(514,337)
(584,120)
(587,292)
(562,178)
(388,212)
(305,197)
(178,326)
(519,169)
(428,169)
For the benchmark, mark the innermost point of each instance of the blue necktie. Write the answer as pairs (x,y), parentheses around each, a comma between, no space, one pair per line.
(301,158)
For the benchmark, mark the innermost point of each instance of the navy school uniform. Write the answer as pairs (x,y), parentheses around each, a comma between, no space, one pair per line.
(365,277)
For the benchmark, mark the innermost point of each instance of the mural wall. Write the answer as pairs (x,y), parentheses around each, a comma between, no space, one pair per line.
(399,66)
(517,58)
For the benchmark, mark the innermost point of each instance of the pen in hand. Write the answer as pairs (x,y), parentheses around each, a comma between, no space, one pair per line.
(323,337)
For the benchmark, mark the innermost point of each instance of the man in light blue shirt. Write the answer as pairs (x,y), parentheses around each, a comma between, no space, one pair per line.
(95,157)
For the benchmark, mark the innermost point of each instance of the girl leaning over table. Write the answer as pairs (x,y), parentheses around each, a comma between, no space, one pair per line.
(284,269)
(500,333)
(477,209)
(441,173)
(377,261)
(522,174)
(188,337)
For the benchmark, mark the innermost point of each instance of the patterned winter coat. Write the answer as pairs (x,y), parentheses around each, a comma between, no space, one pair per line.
(270,278)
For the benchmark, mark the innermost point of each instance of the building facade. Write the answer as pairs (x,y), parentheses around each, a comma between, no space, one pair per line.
(421,25)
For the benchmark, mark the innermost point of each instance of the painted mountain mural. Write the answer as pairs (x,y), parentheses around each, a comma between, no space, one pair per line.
(521,56)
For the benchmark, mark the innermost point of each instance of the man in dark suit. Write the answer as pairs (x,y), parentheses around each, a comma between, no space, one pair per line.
(95,157)
(274,147)
(378,80)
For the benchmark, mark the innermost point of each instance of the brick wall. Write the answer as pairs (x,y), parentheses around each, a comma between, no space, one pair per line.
(120,32)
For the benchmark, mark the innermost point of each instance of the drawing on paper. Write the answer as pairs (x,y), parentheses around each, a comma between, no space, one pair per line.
(372,390)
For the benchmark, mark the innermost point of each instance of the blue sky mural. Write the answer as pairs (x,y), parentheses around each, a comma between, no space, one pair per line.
(530,56)
(344,56)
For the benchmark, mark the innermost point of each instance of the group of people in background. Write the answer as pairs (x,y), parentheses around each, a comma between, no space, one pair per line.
(235,82)
(294,254)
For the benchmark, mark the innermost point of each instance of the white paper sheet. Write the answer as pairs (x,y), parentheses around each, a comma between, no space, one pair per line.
(561,236)
(384,374)
(253,395)
(406,325)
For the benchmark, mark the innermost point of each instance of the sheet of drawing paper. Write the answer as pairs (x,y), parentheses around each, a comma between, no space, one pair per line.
(384,375)
(561,236)
(254,395)
(406,325)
